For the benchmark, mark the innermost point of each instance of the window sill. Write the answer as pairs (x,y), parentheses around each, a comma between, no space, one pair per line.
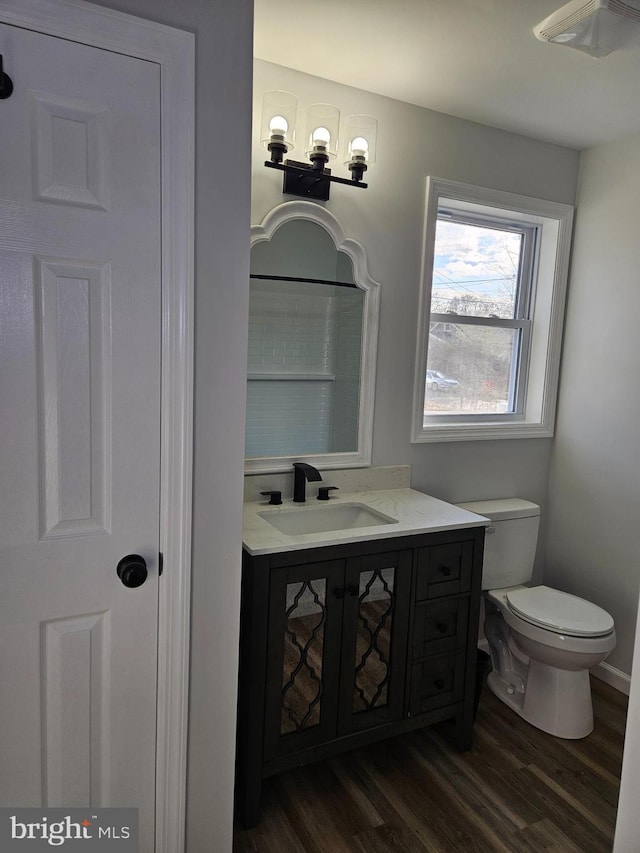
(482,432)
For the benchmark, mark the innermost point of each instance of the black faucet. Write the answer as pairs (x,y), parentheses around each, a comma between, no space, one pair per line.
(301,473)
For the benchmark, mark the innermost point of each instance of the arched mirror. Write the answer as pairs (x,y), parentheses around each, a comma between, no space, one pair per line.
(313,328)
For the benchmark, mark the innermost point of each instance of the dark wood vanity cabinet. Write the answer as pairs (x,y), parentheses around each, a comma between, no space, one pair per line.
(347,644)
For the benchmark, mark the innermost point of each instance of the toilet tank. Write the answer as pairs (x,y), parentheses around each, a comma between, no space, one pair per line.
(510,540)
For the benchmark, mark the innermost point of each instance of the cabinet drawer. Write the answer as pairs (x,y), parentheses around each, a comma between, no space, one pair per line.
(440,627)
(436,682)
(444,570)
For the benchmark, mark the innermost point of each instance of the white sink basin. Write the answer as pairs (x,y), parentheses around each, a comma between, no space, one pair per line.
(346,516)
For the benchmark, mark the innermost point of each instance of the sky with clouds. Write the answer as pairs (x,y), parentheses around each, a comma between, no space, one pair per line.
(470,259)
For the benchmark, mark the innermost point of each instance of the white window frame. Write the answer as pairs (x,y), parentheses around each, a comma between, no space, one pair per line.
(536,407)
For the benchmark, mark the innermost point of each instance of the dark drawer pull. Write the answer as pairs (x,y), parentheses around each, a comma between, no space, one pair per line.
(353,589)
(338,592)
(446,571)
(439,683)
(442,627)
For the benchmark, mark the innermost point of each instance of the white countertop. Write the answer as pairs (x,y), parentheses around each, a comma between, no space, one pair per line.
(415,513)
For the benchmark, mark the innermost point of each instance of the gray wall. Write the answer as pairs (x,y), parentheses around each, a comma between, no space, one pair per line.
(594,494)
(224,40)
(387,218)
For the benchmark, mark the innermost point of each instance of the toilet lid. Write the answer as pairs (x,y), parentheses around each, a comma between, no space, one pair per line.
(560,612)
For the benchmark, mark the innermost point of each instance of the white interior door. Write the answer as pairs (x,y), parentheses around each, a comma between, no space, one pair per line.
(80,301)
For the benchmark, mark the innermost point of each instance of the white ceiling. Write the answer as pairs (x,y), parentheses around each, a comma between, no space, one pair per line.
(476,59)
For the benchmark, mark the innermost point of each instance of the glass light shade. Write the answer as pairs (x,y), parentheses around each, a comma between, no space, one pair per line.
(278,119)
(361,139)
(321,137)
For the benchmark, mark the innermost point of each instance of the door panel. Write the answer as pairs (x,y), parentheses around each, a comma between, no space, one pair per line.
(72,314)
(80,436)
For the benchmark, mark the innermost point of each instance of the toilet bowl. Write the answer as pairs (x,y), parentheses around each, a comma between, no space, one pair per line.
(542,641)
(542,671)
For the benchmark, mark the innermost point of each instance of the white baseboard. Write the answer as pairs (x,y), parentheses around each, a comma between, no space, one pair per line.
(612,676)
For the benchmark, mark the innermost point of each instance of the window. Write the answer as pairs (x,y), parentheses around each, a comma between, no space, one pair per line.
(491,313)
(480,319)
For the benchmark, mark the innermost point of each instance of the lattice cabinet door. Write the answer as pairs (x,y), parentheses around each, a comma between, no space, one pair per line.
(303,656)
(374,640)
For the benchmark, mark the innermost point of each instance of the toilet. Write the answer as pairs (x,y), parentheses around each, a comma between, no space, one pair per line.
(542,641)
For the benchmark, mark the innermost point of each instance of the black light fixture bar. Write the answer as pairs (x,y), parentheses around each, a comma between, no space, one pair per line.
(324,175)
(303,180)
(304,280)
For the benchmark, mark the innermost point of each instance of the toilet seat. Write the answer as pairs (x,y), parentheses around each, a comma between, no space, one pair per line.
(559,612)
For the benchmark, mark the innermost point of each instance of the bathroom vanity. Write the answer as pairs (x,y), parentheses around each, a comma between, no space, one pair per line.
(356,634)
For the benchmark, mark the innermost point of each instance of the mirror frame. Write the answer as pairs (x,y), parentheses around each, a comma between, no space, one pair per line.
(361,457)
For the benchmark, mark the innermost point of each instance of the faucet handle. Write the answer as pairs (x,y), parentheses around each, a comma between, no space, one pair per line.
(276,497)
(323,492)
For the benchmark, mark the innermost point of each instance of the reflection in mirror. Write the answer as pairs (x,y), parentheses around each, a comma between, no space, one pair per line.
(303,655)
(312,329)
(373,643)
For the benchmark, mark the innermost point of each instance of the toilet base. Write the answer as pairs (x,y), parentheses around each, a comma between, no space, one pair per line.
(554,700)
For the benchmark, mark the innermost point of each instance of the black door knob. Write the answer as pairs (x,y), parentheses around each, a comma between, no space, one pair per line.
(132,570)
(6,84)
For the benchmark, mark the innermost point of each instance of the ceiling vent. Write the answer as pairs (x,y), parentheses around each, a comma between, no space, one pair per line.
(596,27)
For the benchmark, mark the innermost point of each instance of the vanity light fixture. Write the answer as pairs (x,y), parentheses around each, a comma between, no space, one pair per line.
(313,179)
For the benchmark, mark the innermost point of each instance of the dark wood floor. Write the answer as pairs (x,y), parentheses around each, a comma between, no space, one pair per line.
(517,790)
